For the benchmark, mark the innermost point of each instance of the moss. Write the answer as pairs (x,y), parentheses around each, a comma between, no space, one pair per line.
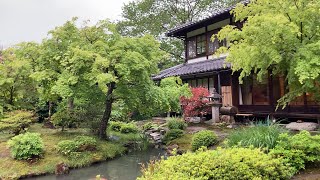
(15,169)
(184,142)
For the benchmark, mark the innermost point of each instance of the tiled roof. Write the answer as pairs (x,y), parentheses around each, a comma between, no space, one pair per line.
(171,32)
(215,64)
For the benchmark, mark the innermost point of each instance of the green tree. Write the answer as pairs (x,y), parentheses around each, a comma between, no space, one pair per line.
(173,88)
(16,87)
(156,17)
(82,63)
(279,35)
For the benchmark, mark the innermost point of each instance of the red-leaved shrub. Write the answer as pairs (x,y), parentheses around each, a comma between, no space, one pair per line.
(197,104)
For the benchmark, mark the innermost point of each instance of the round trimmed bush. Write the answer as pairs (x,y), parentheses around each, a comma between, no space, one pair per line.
(67,147)
(233,163)
(26,146)
(203,138)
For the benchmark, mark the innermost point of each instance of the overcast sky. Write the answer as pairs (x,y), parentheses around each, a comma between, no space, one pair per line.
(30,20)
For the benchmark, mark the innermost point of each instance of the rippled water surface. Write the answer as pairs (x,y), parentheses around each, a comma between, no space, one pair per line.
(126,167)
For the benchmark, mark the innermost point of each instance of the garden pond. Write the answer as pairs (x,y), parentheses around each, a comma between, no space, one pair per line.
(126,167)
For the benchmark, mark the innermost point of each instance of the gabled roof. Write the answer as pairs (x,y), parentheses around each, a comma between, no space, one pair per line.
(215,64)
(175,32)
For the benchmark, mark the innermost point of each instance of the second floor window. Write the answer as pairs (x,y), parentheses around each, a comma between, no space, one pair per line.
(201,44)
(197,45)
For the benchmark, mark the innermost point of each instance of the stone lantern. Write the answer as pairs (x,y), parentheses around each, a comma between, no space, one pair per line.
(215,103)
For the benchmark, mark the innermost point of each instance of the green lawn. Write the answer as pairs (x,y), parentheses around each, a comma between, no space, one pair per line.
(13,169)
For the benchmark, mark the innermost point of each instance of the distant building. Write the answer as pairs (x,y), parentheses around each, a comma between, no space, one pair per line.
(201,68)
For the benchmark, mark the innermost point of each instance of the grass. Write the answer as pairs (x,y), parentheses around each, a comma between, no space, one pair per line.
(183,142)
(14,169)
(260,136)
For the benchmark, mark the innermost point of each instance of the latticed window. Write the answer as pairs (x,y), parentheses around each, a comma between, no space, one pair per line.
(201,44)
(192,47)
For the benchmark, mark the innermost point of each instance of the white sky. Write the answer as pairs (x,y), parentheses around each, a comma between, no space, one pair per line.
(30,20)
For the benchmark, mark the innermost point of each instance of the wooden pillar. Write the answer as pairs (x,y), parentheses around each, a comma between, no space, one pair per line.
(235,88)
(270,88)
(207,42)
(219,84)
(305,103)
(185,50)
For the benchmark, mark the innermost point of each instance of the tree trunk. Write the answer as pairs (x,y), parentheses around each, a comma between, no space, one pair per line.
(11,96)
(70,103)
(50,110)
(107,111)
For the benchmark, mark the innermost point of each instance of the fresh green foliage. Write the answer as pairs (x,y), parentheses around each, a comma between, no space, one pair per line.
(173,89)
(16,121)
(259,136)
(79,66)
(64,119)
(234,163)
(176,123)
(26,146)
(298,149)
(86,143)
(116,125)
(278,35)
(124,127)
(150,125)
(51,137)
(79,144)
(16,87)
(172,134)
(157,17)
(203,138)
(129,128)
(67,147)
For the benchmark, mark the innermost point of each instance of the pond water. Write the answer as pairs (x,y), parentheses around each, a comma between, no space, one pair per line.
(126,167)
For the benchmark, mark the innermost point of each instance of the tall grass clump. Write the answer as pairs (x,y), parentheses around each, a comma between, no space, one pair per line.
(259,136)
(176,123)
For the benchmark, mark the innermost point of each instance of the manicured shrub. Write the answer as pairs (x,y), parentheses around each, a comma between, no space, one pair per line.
(26,146)
(79,144)
(298,149)
(203,138)
(197,104)
(129,128)
(115,125)
(67,147)
(233,163)
(16,121)
(172,134)
(66,118)
(260,136)
(86,143)
(176,123)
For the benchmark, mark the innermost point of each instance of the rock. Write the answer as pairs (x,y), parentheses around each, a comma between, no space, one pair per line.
(231,126)
(227,119)
(113,138)
(48,124)
(308,126)
(193,119)
(155,134)
(61,169)
(194,129)
(162,132)
(173,146)
(299,121)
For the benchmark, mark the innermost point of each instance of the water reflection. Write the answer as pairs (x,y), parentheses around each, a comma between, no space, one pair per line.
(126,167)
